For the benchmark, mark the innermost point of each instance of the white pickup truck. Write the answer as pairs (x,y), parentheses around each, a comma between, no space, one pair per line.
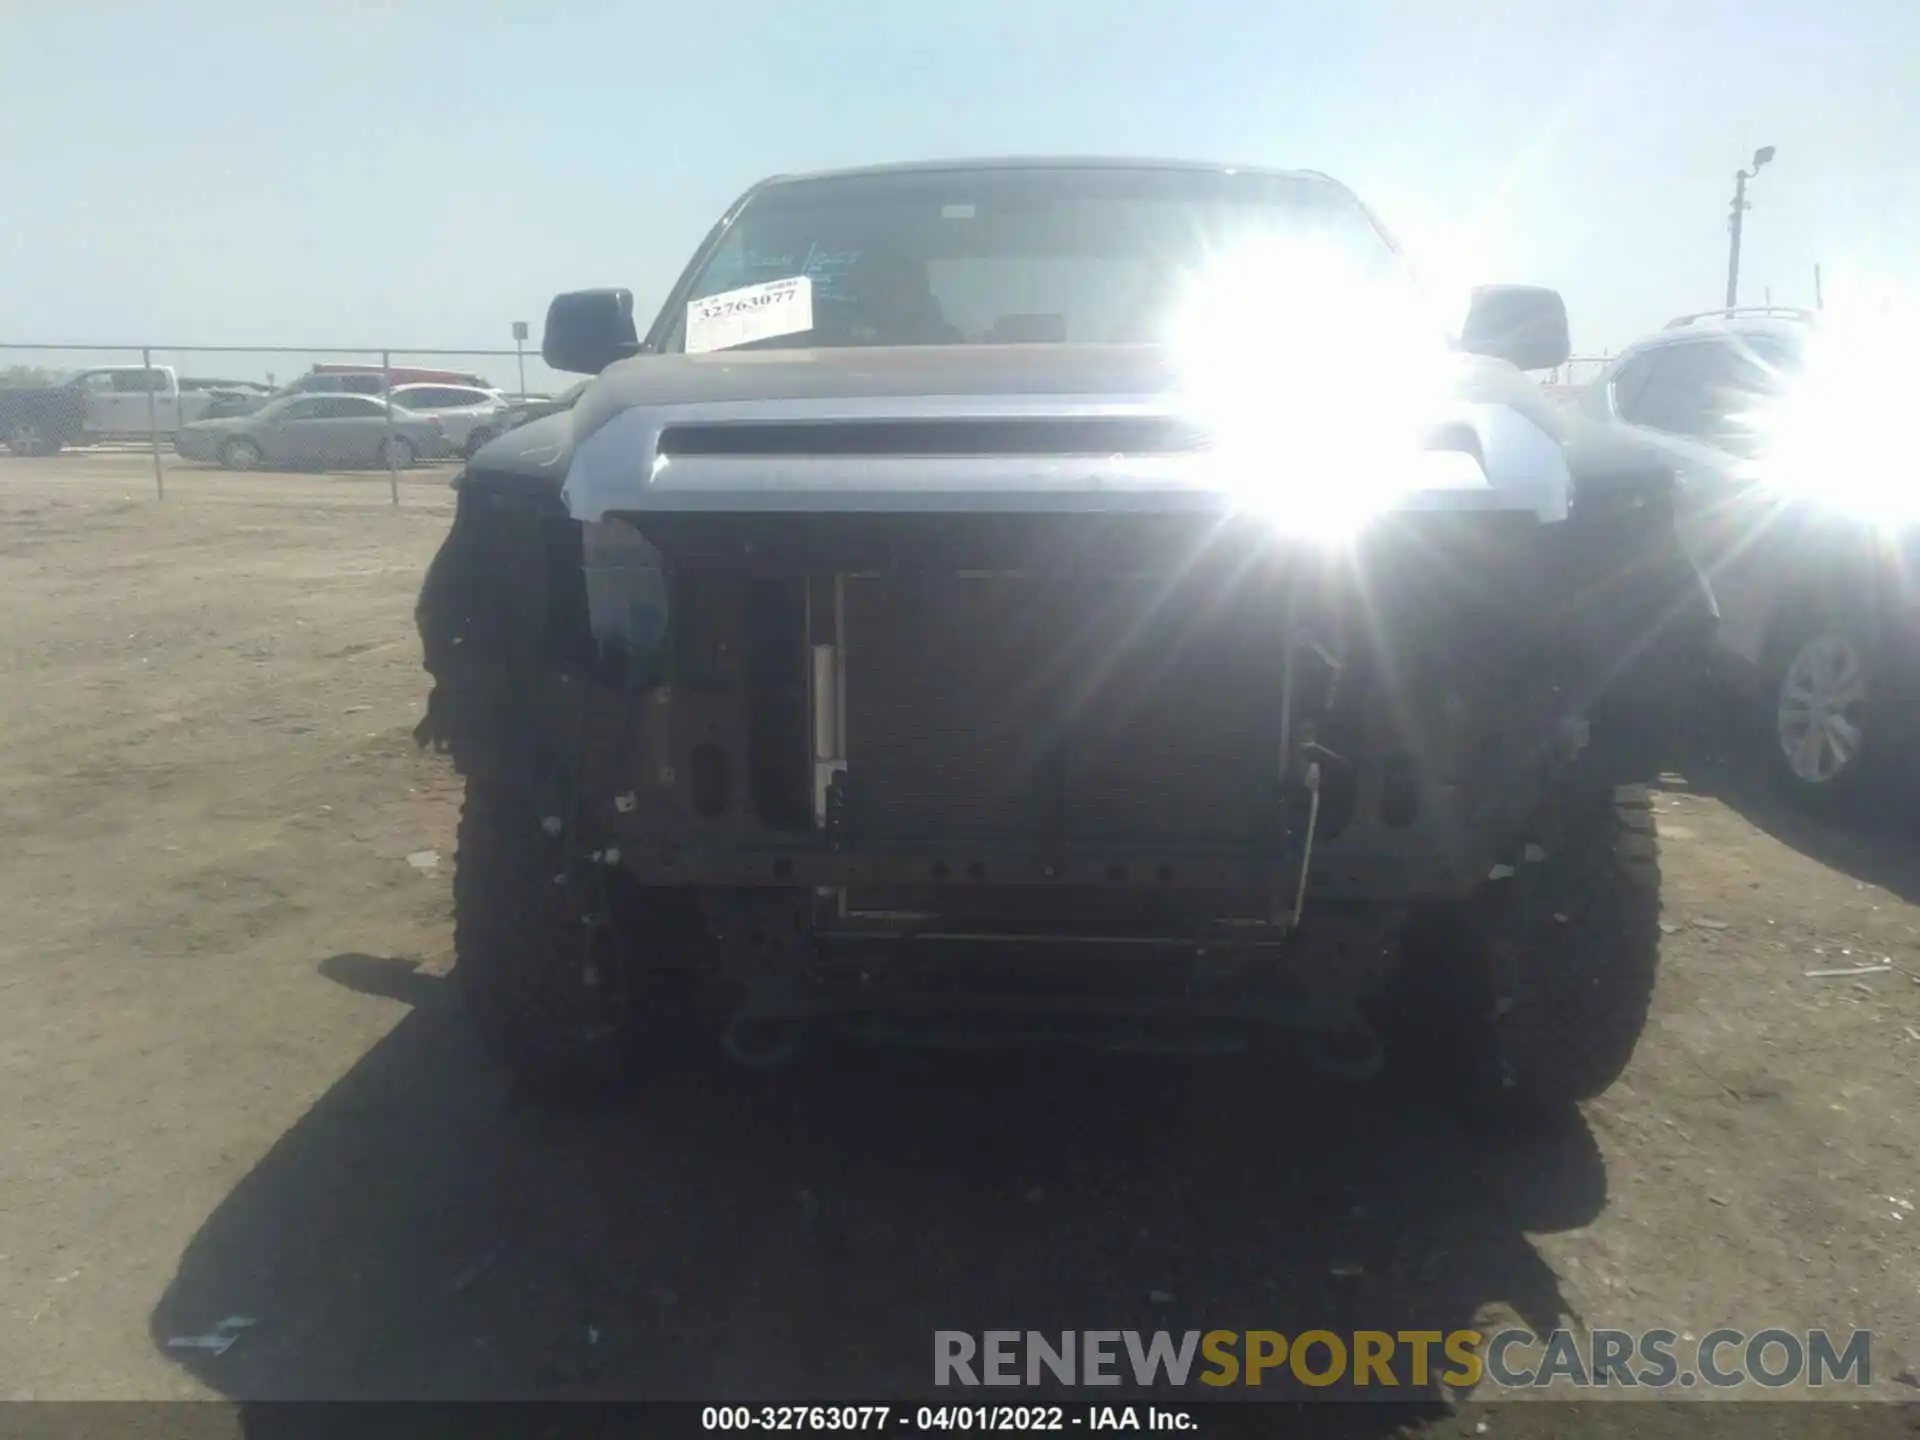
(108,402)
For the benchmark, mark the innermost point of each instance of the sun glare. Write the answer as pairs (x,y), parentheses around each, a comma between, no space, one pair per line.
(1315,377)
(1836,433)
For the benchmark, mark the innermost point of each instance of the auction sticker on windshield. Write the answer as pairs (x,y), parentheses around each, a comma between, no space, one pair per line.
(753,312)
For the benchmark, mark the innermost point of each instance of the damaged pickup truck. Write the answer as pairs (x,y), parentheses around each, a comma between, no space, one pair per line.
(1059,601)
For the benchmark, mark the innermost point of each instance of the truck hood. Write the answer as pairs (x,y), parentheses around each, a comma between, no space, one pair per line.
(966,427)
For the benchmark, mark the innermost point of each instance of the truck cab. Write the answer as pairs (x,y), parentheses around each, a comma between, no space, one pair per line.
(116,401)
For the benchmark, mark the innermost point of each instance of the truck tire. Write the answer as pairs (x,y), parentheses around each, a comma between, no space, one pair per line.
(28,439)
(1533,995)
(557,983)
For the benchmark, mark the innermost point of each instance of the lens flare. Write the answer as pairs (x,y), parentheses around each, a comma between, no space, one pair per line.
(1316,378)
(1835,433)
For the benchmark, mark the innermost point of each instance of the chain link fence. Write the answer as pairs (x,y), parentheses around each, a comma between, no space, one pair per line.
(331,409)
(318,408)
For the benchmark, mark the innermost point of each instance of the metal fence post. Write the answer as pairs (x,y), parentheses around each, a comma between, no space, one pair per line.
(393,471)
(153,420)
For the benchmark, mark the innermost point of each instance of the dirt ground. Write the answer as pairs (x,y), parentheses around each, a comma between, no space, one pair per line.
(233,1081)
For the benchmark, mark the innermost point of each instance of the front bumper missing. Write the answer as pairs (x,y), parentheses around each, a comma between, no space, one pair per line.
(1315,977)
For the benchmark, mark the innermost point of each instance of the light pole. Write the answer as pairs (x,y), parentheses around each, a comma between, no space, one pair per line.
(1740,178)
(519,351)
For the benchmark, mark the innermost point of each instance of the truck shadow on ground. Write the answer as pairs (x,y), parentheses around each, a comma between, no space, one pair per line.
(422,1233)
(1874,839)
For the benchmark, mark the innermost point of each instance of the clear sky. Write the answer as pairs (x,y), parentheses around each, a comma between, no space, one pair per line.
(423,172)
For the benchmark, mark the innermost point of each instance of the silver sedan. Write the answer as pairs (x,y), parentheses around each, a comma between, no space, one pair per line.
(314,432)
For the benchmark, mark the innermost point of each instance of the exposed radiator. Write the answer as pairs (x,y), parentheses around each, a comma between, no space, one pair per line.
(1095,708)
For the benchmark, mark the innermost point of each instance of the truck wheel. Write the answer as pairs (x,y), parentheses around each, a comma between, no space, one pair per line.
(25,439)
(1535,992)
(567,988)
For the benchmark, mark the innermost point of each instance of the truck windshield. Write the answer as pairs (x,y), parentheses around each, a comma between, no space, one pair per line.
(991,256)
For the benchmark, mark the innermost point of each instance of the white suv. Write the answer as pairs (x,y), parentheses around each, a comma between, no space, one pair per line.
(469,415)
(1819,608)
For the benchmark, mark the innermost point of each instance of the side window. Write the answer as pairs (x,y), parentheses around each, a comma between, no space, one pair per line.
(430,397)
(1687,389)
(347,407)
(139,382)
(362,384)
(302,409)
(98,382)
(1629,382)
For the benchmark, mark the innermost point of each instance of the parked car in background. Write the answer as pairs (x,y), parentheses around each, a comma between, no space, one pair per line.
(372,380)
(348,380)
(468,415)
(535,407)
(107,402)
(315,432)
(401,374)
(227,397)
(1819,601)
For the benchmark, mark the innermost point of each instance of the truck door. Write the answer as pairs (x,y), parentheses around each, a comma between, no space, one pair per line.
(99,403)
(124,413)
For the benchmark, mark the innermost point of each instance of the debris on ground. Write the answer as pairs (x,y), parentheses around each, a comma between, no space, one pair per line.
(216,1341)
(472,1275)
(1159,1297)
(425,861)
(1848,971)
(1713,924)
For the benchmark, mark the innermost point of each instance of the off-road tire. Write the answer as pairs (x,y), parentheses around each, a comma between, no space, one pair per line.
(28,440)
(1533,995)
(560,981)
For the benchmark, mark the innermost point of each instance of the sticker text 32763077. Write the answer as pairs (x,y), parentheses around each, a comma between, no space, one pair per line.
(753,312)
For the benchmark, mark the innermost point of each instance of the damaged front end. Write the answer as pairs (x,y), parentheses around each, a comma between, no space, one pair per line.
(1147,777)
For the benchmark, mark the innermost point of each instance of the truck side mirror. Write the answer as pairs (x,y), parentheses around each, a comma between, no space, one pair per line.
(1525,325)
(587,330)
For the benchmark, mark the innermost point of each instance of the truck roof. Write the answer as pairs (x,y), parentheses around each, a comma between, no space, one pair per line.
(1048,162)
